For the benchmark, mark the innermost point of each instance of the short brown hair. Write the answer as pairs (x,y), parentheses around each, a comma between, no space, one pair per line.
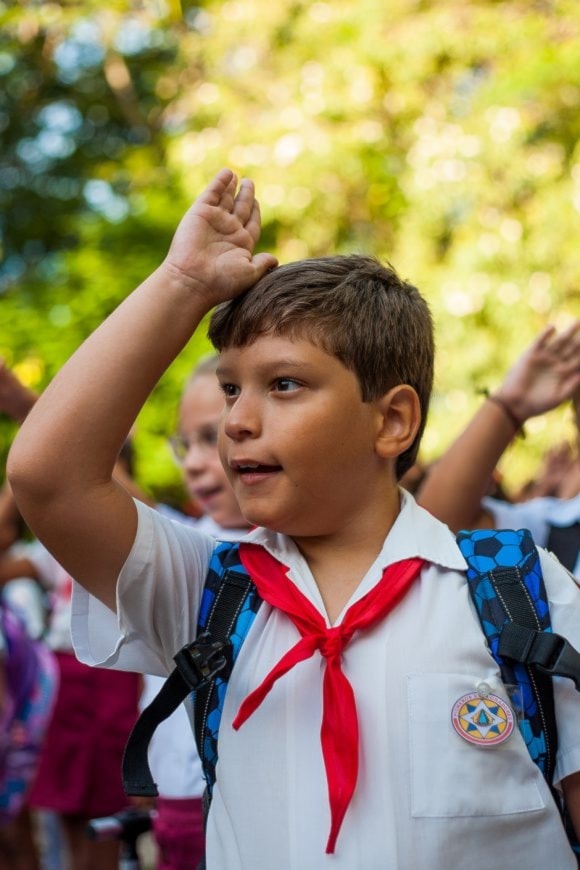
(354,308)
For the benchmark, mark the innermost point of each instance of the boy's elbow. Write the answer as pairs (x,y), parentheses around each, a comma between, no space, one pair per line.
(16,468)
(24,477)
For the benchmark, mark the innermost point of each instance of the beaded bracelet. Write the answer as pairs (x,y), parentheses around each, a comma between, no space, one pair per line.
(516,423)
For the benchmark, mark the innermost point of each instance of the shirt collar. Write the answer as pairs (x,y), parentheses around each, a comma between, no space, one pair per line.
(415,532)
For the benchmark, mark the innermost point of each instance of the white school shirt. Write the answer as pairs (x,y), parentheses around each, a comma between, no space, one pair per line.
(425,798)
(537,515)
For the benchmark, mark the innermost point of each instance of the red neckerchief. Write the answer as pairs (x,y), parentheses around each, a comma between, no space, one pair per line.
(339,732)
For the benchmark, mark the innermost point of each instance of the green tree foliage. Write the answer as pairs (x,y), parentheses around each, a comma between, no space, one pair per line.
(441,136)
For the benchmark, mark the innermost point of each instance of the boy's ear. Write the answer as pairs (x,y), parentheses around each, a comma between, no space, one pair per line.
(400,418)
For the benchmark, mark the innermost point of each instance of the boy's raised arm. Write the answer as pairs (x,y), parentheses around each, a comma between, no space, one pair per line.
(544,376)
(61,463)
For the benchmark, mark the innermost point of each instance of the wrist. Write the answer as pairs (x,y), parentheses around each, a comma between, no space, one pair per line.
(190,290)
(515,403)
(176,292)
(511,415)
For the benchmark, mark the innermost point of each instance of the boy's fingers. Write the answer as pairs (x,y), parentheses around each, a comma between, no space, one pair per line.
(544,337)
(244,202)
(264,263)
(228,197)
(567,344)
(254,222)
(217,188)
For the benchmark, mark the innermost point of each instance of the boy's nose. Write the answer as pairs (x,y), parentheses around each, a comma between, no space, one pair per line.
(243,419)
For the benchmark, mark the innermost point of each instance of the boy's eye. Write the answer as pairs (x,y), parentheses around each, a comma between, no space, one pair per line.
(230,391)
(286,385)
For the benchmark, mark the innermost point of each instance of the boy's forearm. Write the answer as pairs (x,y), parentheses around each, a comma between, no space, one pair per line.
(457,482)
(82,419)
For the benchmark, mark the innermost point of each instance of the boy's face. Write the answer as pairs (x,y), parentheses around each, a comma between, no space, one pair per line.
(297,441)
(205,478)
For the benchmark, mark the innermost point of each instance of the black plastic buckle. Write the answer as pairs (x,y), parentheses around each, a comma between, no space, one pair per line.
(550,653)
(564,661)
(200,661)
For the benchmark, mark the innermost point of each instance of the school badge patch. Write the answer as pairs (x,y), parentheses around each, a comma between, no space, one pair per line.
(482,720)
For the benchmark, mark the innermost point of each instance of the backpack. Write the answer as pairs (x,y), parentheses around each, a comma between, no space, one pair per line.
(506,586)
(505,582)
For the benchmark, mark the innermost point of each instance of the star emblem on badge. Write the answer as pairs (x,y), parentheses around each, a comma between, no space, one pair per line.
(484,721)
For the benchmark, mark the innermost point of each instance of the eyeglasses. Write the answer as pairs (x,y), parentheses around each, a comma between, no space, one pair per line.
(206,440)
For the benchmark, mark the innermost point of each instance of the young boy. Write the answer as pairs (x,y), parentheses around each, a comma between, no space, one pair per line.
(349,759)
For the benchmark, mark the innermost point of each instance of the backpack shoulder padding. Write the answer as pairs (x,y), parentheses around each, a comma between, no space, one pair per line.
(229,604)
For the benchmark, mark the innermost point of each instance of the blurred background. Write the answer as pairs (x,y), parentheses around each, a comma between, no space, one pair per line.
(441,136)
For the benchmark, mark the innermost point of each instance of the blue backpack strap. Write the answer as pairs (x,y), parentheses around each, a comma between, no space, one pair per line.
(490,555)
(229,604)
(507,588)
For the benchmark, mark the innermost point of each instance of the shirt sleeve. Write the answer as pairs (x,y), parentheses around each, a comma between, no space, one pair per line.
(158,595)
(564,596)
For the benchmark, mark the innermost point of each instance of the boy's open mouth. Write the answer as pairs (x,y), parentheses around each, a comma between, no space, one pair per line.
(245,469)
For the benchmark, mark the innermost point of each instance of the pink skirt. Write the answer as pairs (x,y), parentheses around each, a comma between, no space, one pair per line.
(179,834)
(80,766)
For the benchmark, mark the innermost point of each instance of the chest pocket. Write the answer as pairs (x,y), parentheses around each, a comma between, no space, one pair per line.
(452,777)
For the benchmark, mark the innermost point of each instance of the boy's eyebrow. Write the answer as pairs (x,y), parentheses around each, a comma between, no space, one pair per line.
(276,363)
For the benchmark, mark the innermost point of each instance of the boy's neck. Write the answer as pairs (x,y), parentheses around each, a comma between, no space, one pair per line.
(339,562)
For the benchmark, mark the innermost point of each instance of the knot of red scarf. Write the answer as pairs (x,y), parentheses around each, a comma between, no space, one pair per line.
(339,730)
(334,641)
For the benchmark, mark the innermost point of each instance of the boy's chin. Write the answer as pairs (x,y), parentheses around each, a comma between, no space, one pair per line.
(229,519)
(262,519)
(274,523)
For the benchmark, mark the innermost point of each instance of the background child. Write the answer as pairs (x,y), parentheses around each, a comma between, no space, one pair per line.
(175,764)
(28,683)
(326,368)
(544,376)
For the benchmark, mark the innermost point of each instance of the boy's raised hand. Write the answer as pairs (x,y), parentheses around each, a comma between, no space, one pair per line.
(212,249)
(545,375)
